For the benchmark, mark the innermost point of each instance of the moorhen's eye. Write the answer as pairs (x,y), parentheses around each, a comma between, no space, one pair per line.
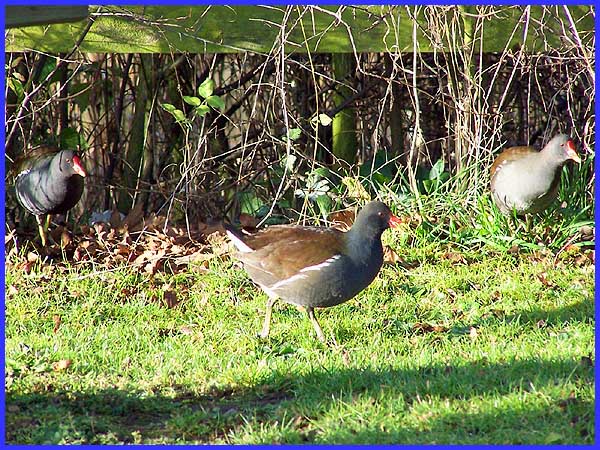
(68,160)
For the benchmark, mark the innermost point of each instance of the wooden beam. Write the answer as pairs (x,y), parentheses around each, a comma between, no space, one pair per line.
(326,29)
(24,16)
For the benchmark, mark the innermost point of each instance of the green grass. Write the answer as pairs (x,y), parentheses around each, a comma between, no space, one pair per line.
(508,361)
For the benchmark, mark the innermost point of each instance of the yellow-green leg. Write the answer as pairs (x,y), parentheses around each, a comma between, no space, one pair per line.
(313,319)
(43,229)
(267,323)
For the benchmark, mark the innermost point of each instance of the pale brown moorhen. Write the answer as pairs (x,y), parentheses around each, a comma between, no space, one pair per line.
(48,181)
(526,181)
(315,267)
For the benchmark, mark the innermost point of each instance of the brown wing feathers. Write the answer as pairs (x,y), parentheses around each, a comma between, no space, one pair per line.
(290,250)
(510,154)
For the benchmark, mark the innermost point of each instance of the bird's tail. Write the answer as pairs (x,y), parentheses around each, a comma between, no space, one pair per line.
(237,237)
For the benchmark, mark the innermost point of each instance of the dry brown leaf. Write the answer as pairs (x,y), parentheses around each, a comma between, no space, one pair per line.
(184,329)
(65,238)
(143,257)
(155,263)
(126,238)
(61,365)
(454,257)
(153,243)
(429,328)
(170,298)
(100,229)
(38,290)
(219,243)
(543,277)
(28,266)
(178,250)
(196,257)
(12,291)
(584,259)
(390,256)
(56,319)
(122,249)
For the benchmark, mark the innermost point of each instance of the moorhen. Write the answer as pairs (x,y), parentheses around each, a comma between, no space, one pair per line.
(525,180)
(48,181)
(315,266)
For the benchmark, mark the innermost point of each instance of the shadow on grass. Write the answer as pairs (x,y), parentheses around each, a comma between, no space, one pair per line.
(581,311)
(119,416)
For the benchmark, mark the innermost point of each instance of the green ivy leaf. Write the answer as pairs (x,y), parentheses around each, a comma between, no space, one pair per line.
(69,138)
(325,120)
(49,66)
(194,101)
(322,172)
(201,110)
(17,87)
(289,161)
(81,94)
(249,202)
(293,133)
(324,202)
(179,115)
(168,107)
(437,169)
(206,89)
(216,102)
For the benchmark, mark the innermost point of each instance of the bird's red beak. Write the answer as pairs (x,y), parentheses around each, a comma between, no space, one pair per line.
(572,151)
(394,221)
(77,167)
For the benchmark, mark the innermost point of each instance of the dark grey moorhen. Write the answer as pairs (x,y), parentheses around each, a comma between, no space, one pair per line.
(315,267)
(48,181)
(525,180)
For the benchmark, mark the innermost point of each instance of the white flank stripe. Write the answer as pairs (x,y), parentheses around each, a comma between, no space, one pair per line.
(300,275)
(239,244)
(22,174)
(279,284)
(325,263)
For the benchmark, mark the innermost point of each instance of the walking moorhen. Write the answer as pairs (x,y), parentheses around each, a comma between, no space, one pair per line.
(48,181)
(525,180)
(315,266)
